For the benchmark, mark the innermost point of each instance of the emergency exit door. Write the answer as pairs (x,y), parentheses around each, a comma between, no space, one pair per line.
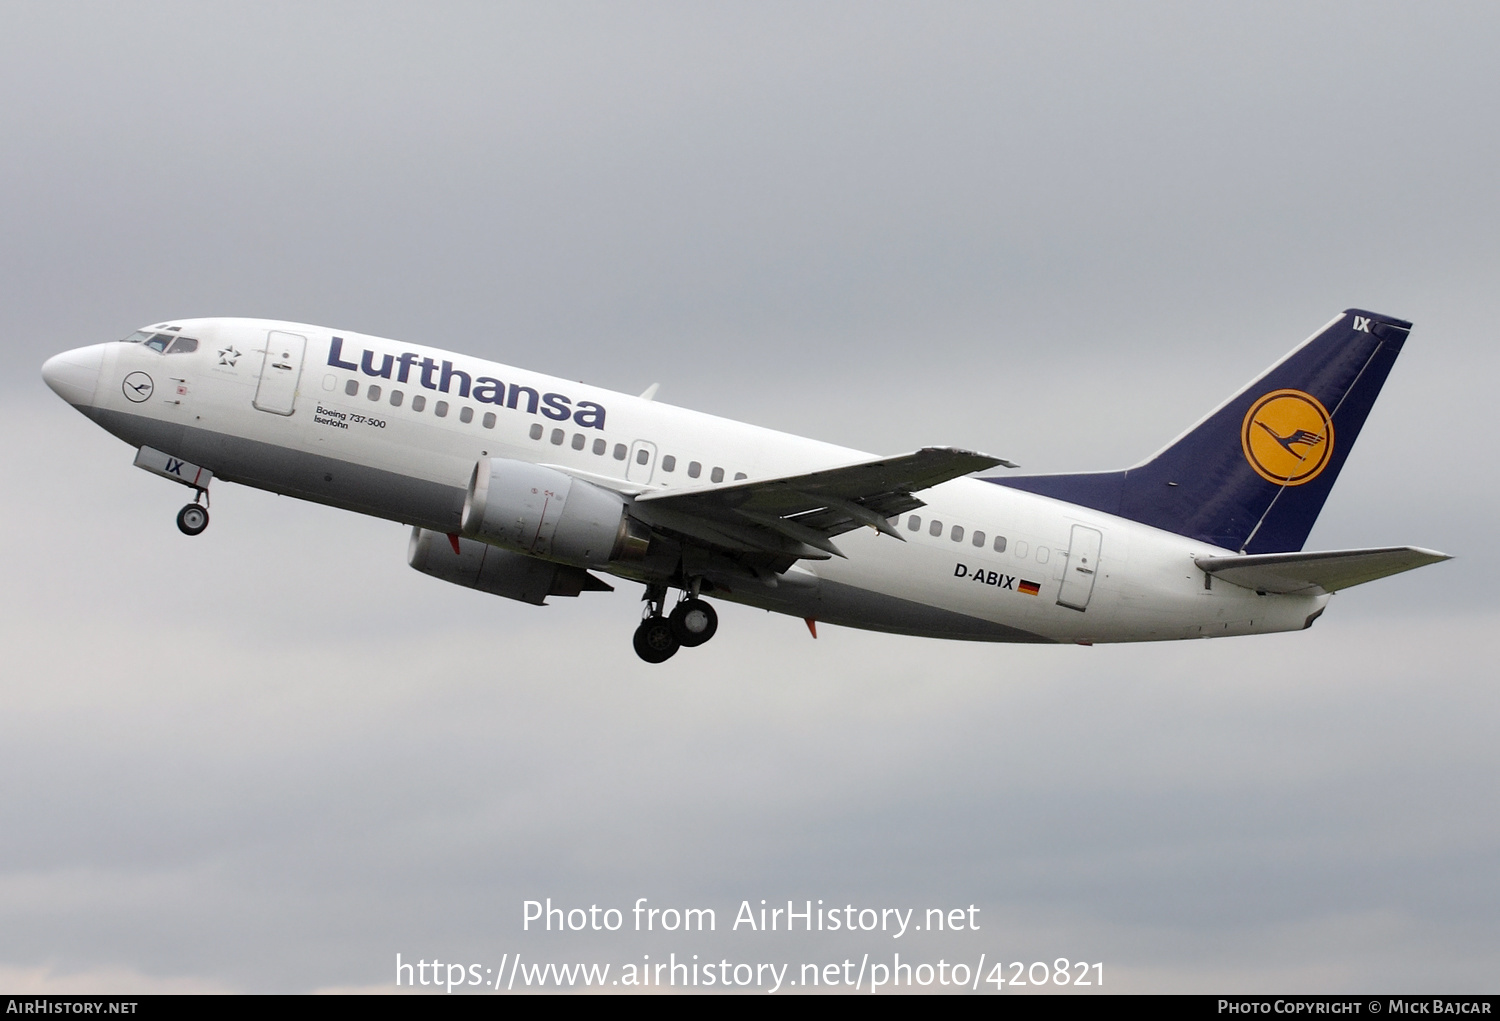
(642,461)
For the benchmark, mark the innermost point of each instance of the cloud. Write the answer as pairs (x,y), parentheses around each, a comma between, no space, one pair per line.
(271,758)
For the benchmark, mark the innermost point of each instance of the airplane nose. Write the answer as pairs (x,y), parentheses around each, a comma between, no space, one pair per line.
(74,375)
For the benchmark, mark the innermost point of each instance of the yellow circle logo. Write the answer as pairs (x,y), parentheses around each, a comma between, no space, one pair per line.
(1287,437)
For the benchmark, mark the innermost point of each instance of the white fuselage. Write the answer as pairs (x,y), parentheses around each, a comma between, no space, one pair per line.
(325,425)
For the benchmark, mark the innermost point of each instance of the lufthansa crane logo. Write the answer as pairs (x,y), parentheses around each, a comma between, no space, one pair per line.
(137,387)
(1287,437)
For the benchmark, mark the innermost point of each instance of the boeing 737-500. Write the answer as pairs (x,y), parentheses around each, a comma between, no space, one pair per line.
(527,486)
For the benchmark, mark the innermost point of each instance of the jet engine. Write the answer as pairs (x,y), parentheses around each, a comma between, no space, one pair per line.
(542,512)
(497,571)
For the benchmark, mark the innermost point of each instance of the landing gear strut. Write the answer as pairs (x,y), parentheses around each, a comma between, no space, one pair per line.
(654,640)
(193,518)
(691,623)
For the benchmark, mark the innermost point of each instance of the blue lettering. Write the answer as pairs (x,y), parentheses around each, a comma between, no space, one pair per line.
(489,391)
(334,350)
(174,466)
(589,415)
(484,389)
(449,374)
(517,391)
(367,364)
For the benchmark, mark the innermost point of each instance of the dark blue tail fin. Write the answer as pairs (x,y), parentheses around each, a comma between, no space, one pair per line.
(1252,476)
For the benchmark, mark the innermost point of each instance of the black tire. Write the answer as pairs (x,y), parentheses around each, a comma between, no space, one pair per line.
(192,519)
(654,641)
(694,622)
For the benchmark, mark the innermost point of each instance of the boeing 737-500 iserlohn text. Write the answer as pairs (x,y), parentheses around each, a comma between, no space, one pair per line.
(526,486)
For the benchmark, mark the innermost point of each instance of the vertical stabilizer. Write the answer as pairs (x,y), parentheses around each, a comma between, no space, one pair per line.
(1253,475)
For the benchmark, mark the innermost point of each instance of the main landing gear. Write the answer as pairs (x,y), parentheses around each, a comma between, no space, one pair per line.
(691,623)
(193,518)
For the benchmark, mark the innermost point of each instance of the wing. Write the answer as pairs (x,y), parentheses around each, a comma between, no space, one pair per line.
(1317,572)
(796,517)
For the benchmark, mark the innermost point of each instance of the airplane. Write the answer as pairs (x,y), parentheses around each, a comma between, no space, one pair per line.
(527,486)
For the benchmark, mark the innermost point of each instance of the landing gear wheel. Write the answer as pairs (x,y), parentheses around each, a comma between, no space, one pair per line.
(654,640)
(192,519)
(694,622)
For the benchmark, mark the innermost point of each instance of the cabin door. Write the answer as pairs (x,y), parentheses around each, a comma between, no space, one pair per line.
(1082,568)
(280,372)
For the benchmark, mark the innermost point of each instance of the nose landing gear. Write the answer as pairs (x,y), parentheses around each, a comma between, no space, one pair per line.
(193,518)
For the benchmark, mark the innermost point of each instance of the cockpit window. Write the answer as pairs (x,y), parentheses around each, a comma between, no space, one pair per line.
(163,342)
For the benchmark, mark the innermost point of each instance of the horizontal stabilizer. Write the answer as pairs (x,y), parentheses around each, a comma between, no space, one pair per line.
(1285,573)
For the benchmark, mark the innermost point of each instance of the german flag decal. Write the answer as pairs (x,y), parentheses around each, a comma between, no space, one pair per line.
(1029,588)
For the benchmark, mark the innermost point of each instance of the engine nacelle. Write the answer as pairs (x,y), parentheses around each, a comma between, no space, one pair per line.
(499,572)
(544,513)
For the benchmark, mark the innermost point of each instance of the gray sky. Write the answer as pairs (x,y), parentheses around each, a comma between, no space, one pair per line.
(272,758)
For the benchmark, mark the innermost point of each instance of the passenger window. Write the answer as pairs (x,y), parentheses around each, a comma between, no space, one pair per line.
(620,451)
(669,463)
(740,475)
(536,432)
(694,469)
(579,440)
(466,414)
(489,420)
(373,392)
(600,447)
(978,539)
(440,409)
(558,436)
(396,398)
(642,456)
(999,544)
(717,475)
(936,528)
(330,381)
(1042,553)
(915,523)
(1021,550)
(958,533)
(352,387)
(418,402)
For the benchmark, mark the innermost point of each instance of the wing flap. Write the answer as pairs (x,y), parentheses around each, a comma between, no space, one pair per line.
(1286,573)
(798,515)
